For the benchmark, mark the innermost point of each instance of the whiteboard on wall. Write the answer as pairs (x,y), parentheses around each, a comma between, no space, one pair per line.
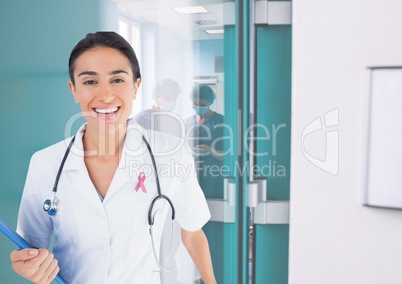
(384,152)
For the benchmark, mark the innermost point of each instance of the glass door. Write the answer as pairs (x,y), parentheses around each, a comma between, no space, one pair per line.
(269,26)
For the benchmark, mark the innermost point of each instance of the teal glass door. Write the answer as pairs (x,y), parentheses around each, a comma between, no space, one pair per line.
(274,112)
(270,105)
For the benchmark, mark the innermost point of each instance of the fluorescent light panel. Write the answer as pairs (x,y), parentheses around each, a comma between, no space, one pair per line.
(214,32)
(191,10)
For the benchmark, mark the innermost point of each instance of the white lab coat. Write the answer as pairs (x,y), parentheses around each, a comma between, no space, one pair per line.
(109,241)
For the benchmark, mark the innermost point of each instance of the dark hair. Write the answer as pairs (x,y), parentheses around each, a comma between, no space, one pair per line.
(202,93)
(104,39)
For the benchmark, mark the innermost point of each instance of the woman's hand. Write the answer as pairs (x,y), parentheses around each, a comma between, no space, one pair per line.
(197,246)
(37,265)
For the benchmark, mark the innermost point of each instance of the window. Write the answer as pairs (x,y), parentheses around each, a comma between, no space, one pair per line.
(131,31)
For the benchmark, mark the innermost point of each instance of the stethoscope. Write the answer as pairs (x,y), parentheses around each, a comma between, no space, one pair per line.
(52,205)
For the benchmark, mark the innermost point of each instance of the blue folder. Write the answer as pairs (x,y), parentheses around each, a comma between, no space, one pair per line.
(20,242)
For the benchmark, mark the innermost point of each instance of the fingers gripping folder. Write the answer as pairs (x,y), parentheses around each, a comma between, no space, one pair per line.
(20,242)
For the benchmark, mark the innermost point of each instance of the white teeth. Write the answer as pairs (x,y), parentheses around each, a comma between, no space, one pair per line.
(106,110)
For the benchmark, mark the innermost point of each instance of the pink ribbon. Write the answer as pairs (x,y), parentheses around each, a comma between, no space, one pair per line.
(140,184)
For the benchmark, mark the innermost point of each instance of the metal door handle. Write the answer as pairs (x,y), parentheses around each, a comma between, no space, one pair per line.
(266,211)
(223,210)
(272,12)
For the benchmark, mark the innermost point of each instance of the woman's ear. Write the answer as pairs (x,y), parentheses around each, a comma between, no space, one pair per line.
(137,84)
(72,89)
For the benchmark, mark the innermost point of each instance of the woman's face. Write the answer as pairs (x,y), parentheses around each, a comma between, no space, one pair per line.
(104,88)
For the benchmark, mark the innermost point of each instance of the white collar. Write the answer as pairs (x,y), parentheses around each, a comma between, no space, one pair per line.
(133,146)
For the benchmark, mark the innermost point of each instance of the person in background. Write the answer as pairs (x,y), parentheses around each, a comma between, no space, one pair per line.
(160,116)
(205,130)
(204,135)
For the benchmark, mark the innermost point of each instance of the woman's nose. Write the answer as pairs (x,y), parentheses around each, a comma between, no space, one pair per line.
(106,93)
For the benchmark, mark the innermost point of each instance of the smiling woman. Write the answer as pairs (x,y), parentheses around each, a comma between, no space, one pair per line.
(104,217)
(103,85)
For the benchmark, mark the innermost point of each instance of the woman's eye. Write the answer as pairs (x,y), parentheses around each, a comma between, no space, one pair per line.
(90,82)
(117,81)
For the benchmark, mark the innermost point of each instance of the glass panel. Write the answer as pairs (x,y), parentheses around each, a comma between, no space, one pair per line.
(274,111)
(181,46)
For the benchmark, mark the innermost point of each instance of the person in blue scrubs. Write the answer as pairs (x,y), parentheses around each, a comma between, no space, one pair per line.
(205,130)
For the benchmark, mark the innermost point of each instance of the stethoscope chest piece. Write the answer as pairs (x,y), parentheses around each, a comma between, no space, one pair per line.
(52,205)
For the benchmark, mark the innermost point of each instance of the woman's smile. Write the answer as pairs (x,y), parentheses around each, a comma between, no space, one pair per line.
(107,113)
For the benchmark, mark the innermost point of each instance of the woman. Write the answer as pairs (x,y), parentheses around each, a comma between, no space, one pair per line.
(107,184)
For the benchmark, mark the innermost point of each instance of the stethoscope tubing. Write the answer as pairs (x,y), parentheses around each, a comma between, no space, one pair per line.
(158,186)
(56,181)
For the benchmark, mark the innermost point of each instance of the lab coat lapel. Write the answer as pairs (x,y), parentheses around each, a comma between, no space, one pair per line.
(78,173)
(120,179)
(130,159)
(81,181)
(84,186)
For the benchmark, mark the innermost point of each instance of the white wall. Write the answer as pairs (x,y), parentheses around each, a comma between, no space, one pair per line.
(333,238)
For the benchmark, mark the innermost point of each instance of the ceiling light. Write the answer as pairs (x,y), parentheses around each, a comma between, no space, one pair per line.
(214,32)
(205,22)
(191,10)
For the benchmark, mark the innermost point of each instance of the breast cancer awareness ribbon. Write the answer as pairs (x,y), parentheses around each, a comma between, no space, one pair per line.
(140,184)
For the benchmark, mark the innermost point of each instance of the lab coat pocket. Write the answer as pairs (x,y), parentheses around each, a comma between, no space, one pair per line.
(139,241)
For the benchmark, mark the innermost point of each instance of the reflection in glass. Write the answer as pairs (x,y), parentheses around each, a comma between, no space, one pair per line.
(160,116)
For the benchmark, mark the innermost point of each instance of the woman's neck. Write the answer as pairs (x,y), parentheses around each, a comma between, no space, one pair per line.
(104,144)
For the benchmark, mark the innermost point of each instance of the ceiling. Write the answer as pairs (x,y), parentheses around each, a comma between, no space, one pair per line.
(190,26)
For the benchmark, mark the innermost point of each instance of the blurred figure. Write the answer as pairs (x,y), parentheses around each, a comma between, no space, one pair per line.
(204,132)
(160,116)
